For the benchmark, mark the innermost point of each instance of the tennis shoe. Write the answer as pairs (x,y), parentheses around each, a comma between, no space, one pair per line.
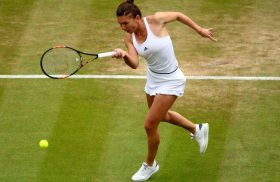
(201,136)
(145,172)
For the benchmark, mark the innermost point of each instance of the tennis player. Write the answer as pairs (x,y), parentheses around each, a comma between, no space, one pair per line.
(149,38)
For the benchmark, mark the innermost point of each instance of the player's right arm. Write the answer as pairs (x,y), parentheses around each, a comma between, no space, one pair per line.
(130,56)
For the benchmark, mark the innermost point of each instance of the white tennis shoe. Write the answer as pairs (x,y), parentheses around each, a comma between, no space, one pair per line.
(145,172)
(201,136)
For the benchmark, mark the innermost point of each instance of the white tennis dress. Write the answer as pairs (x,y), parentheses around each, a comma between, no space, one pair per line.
(163,74)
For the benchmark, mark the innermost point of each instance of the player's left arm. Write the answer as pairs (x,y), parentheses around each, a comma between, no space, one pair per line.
(167,17)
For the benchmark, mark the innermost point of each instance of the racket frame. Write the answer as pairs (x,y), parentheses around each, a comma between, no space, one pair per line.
(82,61)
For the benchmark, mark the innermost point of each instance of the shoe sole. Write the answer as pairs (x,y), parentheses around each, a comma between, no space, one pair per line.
(206,132)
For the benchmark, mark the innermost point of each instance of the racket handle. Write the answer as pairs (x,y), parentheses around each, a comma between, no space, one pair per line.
(106,54)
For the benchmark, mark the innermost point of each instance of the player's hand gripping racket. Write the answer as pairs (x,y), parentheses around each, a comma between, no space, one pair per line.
(62,61)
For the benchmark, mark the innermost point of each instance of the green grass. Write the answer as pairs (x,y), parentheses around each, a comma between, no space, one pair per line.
(95,127)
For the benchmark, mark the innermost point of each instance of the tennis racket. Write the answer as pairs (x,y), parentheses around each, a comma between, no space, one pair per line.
(62,61)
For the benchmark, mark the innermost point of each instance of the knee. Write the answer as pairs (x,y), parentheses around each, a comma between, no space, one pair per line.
(150,126)
(152,132)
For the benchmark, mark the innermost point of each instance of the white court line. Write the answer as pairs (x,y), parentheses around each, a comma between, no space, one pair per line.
(142,77)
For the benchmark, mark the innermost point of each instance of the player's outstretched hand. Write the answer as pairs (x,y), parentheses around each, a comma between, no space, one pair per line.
(204,32)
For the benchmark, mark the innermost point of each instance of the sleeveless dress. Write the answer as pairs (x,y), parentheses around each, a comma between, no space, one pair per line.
(163,74)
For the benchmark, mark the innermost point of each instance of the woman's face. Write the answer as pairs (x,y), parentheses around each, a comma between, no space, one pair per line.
(128,23)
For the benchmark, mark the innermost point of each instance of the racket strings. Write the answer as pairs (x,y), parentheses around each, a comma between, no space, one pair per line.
(60,62)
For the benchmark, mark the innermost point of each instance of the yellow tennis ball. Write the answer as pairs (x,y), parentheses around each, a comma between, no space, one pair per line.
(43,143)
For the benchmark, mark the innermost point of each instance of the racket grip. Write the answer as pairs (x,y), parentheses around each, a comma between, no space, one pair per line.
(106,54)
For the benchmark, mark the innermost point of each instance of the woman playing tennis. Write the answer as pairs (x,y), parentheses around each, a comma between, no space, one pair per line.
(149,38)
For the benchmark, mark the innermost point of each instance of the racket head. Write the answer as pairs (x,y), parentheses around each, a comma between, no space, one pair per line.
(61,62)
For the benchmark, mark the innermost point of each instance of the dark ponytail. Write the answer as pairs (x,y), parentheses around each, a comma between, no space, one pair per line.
(128,8)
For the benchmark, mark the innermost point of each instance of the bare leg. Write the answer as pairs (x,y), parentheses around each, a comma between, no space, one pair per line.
(176,119)
(159,106)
